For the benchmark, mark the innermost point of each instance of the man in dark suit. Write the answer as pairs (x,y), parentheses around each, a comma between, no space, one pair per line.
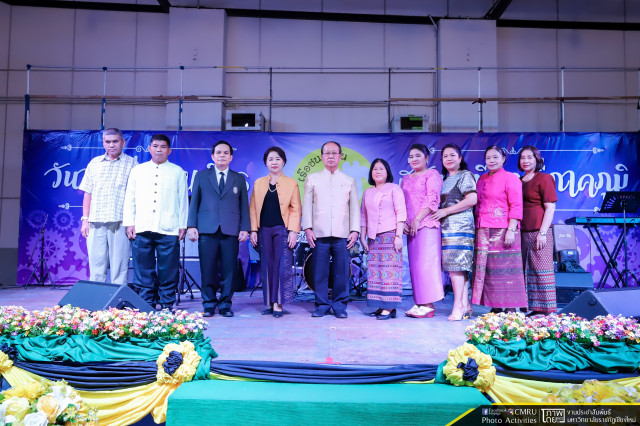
(218,219)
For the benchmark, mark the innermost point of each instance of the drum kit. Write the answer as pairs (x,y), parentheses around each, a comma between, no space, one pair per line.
(303,258)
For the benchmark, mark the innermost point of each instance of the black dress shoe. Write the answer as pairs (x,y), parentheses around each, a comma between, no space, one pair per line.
(226,312)
(374,313)
(319,313)
(391,314)
(278,314)
(267,311)
(208,314)
(341,314)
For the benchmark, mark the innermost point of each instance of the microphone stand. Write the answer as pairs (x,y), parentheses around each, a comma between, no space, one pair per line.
(185,276)
(41,264)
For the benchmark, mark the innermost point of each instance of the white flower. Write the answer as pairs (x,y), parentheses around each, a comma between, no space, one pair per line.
(35,419)
(8,419)
(65,397)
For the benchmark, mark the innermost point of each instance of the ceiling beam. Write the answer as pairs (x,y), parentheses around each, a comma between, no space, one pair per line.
(89,5)
(498,8)
(569,25)
(165,5)
(323,16)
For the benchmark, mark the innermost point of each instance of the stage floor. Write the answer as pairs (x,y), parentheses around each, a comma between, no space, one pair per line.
(299,338)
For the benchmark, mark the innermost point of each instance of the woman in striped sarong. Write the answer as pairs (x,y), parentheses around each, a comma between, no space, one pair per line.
(383,215)
(458,231)
(498,281)
(539,204)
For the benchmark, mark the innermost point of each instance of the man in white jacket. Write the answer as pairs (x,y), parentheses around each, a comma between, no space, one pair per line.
(155,214)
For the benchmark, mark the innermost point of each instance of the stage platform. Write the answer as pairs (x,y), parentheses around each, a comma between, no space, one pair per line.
(299,338)
(219,402)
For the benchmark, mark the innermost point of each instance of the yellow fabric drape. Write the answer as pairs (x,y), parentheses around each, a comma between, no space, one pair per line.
(511,390)
(117,407)
(17,376)
(125,406)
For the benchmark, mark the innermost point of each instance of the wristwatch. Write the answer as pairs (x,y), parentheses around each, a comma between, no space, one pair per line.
(544,234)
(84,218)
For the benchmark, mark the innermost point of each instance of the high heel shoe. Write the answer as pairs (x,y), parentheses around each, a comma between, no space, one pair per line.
(412,311)
(278,314)
(423,312)
(391,314)
(454,317)
(374,313)
(468,312)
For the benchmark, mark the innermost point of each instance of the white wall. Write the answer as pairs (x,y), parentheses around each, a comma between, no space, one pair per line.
(64,37)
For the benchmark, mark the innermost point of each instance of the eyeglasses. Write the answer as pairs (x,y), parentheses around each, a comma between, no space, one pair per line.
(331,154)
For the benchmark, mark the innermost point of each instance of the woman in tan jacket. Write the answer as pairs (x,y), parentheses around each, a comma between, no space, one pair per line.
(275,213)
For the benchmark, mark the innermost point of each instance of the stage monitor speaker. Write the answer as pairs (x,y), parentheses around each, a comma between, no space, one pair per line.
(95,296)
(570,285)
(590,304)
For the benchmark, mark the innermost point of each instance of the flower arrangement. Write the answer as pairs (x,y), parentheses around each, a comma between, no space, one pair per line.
(514,326)
(114,323)
(38,404)
(594,391)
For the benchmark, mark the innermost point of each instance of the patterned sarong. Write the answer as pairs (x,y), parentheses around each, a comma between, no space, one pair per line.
(498,280)
(384,273)
(539,273)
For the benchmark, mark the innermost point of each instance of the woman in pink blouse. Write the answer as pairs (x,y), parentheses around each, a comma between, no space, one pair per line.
(422,193)
(498,279)
(382,224)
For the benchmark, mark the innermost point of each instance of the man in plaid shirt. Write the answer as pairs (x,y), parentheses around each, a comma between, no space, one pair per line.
(104,185)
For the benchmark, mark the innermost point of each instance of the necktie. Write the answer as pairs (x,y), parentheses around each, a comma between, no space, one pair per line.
(221,182)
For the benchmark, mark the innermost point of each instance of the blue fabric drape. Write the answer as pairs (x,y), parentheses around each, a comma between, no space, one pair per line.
(95,376)
(560,376)
(291,372)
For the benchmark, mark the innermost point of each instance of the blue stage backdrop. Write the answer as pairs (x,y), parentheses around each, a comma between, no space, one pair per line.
(585,166)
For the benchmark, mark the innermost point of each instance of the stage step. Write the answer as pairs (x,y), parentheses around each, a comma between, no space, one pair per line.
(221,402)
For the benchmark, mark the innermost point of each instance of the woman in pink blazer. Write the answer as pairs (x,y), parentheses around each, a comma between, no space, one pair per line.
(382,224)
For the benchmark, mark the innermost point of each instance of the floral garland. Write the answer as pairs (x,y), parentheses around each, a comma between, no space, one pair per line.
(44,404)
(114,323)
(514,326)
(594,391)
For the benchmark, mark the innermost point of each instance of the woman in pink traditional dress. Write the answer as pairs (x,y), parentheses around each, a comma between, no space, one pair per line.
(539,195)
(422,194)
(498,280)
(384,214)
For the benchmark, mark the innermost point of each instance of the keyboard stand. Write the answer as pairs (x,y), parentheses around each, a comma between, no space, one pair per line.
(609,257)
(619,202)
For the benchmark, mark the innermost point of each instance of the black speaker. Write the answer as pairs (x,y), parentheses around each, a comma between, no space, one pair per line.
(570,285)
(590,304)
(95,296)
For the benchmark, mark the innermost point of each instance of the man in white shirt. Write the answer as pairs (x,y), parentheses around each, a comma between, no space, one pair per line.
(155,214)
(331,220)
(104,185)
